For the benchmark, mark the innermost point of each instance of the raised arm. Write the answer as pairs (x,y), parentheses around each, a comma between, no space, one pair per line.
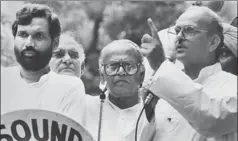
(212,113)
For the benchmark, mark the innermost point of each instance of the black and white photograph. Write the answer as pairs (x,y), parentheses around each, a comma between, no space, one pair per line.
(118,70)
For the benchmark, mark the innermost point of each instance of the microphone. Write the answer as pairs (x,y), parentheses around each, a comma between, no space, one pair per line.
(102,97)
(149,98)
(104,89)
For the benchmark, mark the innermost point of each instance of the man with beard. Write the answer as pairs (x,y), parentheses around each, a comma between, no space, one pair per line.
(199,103)
(32,85)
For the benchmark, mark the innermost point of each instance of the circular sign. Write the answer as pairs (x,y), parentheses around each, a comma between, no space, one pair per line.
(40,125)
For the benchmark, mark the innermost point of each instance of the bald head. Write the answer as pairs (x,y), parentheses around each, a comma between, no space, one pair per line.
(204,17)
(121,47)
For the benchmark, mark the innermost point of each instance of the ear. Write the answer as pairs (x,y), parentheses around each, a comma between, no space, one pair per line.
(214,43)
(55,43)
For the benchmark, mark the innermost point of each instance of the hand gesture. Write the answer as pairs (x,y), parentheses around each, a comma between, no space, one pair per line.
(151,47)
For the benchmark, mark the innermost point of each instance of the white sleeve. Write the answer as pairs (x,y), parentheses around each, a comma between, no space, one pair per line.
(211,117)
(73,104)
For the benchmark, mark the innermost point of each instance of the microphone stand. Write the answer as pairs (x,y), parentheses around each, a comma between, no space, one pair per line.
(102,97)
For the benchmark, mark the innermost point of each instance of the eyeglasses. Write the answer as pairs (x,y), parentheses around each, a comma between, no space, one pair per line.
(61,53)
(128,67)
(188,32)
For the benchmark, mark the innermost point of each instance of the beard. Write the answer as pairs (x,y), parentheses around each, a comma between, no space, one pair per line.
(36,62)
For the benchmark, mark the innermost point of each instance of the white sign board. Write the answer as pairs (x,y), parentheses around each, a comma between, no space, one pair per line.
(40,125)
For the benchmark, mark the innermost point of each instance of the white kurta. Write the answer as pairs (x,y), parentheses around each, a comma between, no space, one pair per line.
(52,92)
(117,124)
(204,109)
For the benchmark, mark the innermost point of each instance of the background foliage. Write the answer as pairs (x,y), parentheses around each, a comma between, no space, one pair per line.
(95,24)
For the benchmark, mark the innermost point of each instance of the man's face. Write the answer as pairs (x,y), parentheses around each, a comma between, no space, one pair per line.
(122,84)
(228,60)
(192,40)
(33,44)
(66,59)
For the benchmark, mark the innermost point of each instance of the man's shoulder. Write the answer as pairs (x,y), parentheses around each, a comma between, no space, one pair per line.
(9,69)
(11,73)
(229,81)
(228,76)
(65,79)
(66,83)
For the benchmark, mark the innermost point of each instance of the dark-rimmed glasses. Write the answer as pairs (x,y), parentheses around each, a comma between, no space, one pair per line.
(112,69)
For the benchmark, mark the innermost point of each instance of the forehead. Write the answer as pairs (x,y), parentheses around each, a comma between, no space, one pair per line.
(194,18)
(37,24)
(68,44)
(124,53)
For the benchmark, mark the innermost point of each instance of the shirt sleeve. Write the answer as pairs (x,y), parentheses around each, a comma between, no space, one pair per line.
(73,104)
(210,116)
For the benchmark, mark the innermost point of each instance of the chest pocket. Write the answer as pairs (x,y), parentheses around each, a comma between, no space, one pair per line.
(167,118)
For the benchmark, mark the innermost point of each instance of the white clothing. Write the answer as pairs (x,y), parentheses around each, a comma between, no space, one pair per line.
(117,124)
(53,92)
(204,109)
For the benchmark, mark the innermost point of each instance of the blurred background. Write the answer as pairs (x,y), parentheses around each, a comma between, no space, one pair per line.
(97,23)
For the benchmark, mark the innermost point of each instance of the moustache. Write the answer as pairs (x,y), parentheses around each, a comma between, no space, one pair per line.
(29,51)
(179,40)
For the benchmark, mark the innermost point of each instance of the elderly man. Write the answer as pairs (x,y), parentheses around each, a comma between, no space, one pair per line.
(68,57)
(122,71)
(228,53)
(32,85)
(201,102)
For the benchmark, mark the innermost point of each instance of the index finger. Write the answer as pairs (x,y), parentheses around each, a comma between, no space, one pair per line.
(153,28)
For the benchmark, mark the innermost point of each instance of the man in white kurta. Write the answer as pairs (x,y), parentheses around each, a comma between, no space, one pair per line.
(195,110)
(123,103)
(117,124)
(200,102)
(52,92)
(32,85)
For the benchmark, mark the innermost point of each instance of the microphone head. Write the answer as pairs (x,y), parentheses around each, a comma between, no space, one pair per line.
(103,86)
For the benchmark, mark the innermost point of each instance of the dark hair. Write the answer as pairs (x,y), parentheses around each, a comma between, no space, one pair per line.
(25,15)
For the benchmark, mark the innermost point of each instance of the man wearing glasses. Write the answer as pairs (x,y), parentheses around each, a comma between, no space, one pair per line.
(199,103)
(122,72)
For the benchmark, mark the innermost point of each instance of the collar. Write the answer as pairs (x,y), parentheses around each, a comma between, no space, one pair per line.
(115,106)
(41,81)
(208,71)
